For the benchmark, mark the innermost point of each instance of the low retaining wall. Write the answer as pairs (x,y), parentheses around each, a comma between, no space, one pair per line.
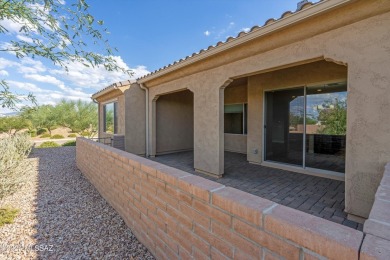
(177,215)
(377,227)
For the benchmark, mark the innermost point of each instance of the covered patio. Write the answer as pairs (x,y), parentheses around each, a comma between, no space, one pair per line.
(318,196)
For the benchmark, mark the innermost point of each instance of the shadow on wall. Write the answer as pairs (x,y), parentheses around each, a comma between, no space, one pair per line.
(73,217)
(175,122)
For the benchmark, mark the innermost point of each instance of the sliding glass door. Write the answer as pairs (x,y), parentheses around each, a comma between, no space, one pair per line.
(306,126)
(284,111)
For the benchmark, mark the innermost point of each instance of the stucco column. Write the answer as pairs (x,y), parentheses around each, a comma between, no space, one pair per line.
(152,125)
(368,133)
(255,120)
(208,130)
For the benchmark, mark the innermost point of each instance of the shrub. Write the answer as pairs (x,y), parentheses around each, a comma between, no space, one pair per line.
(69,143)
(45,136)
(13,166)
(57,137)
(7,215)
(41,131)
(32,133)
(84,133)
(48,144)
(72,135)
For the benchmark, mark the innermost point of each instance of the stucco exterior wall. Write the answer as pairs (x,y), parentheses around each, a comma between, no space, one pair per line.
(235,143)
(357,35)
(236,94)
(302,75)
(113,96)
(135,120)
(121,115)
(175,122)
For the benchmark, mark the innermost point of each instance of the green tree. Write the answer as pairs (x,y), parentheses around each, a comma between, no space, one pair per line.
(79,116)
(13,124)
(334,117)
(45,116)
(58,32)
(66,113)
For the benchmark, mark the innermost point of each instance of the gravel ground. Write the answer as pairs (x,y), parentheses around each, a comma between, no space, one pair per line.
(62,216)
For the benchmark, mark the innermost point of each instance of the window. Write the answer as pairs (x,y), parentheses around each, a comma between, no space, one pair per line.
(110,117)
(236,119)
(306,126)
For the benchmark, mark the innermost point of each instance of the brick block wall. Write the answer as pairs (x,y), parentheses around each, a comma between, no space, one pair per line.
(376,244)
(177,215)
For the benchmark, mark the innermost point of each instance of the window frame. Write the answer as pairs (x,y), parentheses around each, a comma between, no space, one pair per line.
(115,116)
(244,117)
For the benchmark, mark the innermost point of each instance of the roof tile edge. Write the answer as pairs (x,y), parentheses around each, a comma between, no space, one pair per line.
(112,87)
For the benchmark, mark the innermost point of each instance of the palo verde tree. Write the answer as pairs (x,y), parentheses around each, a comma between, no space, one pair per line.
(79,116)
(334,117)
(45,116)
(58,31)
(13,124)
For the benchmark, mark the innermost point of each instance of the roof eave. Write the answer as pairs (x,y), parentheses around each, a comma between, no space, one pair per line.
(111,88)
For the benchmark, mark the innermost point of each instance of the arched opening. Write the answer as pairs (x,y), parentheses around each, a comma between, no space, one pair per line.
(175,126)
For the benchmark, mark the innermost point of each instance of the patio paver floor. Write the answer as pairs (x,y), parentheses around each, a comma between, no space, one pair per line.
(318,196)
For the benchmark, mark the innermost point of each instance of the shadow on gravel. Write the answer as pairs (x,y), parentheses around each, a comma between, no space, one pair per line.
(74,221)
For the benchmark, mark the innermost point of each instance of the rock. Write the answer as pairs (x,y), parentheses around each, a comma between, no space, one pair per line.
(62,216)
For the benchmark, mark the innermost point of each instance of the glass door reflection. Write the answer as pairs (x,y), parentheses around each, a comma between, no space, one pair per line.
(326,126)
(284,126)
(306,126)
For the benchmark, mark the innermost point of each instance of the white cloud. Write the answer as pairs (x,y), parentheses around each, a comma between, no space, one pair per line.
(58,83)
(24,38)
(207,33)
(97,77)
(6,46)
(79,83)
(223,32)
(44,78)
(139,71)
(4,73)
(25,86)
(4,63)
(11,26)
(29,65)
(54,97)
(24,66)
(245,29)
(48,96)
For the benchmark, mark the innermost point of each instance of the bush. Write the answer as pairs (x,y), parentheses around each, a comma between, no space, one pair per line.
(13,166)
(72,135)
(41,131)
(32,133)
(45,136)
(69,143)
(57,137)
(48,144)
(84,133)
(7,215)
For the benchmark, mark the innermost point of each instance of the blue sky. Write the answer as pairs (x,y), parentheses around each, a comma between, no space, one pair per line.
(149,34)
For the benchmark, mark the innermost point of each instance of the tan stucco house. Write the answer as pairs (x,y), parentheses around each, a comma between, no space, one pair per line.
(270,93)
(111,111)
